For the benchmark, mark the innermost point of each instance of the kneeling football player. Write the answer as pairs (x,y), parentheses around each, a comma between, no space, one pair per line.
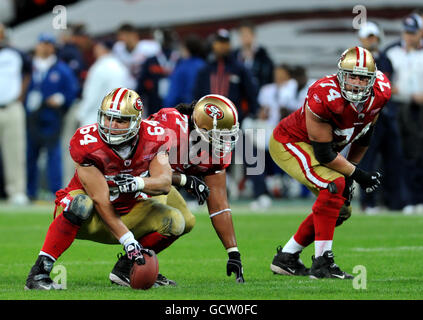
(120,162)
(200,169)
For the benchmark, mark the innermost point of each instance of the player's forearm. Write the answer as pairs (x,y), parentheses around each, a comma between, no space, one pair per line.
(341,165)
(221,217)
(356,153)
(223,226)
(159,185)
(110,218)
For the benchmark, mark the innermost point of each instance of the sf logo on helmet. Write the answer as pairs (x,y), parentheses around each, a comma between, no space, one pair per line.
(138,104)
(213,111)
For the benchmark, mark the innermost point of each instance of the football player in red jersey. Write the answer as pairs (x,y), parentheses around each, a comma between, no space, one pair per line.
(214,121)
(340,110)
(121,161)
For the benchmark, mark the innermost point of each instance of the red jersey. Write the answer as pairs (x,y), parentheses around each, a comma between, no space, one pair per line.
(87,148)
(180,157)
(348,121)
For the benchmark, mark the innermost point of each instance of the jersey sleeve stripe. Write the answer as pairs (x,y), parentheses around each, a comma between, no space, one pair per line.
(305,164)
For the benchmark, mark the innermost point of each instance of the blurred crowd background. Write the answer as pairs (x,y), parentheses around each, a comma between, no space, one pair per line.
(57,63)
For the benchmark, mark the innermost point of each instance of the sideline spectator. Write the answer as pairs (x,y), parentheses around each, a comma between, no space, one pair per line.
(52,89)
(254,57)
(386,140)
(107,73)
(69,52)
(407,91)
(225,76)
(183,76)
(14,76)
(133,51)
(153,81)
(278,95)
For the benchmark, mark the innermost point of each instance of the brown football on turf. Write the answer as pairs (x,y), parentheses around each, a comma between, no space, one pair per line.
(143,276)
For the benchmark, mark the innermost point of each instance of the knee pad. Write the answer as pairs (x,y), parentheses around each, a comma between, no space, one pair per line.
(330,200)
(173,223)
(80,209)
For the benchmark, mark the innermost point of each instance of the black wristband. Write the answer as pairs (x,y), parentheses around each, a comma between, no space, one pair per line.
(358,175)
(234,255)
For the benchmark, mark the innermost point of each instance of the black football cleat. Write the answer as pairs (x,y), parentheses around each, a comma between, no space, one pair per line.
(162,281)
(286,263)
(39,276)
(325,267)
(121,271)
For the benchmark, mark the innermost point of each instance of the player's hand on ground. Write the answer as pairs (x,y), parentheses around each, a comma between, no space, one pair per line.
(198,188)
(234,265)
(369,181)
(128,183)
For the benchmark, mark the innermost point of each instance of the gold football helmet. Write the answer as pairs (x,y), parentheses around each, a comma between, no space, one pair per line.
(356,61)
(215,118)
(119,104)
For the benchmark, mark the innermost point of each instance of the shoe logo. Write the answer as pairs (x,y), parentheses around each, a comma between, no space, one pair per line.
(44,287)
(291,270)
(338,276)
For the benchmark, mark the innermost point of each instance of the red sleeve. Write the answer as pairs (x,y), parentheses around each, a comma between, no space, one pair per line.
(82,145)
(382,86)
(317,103)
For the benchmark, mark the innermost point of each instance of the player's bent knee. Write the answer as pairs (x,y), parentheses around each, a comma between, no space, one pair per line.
(80,209)
(189,224)
(330,200)
(173,223)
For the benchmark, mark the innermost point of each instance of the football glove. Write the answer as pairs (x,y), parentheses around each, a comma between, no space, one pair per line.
(234,265)
(369,181)
(349,190)
(135,251)
(198,188)
(128,183)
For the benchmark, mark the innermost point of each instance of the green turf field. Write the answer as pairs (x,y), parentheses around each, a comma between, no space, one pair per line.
(388,246)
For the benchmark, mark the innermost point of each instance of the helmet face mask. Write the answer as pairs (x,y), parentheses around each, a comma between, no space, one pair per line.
(119,116)
(356,63)
(215,119)
(222,141)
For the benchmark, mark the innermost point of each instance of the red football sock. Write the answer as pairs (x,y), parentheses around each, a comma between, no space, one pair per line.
(326,211)
(305,233)
(156,241)
(60,236)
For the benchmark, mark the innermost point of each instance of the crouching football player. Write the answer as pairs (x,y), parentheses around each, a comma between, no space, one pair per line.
(206,132)
(120,162)
(339,110)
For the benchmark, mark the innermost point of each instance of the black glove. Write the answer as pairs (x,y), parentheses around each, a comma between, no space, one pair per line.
(369,181)
(234,265)
(128,183)
(135,252)
(349,190)
(198,188)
